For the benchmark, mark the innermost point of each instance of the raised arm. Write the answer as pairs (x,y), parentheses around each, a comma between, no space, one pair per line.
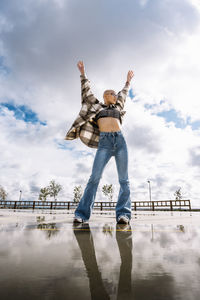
(121,96)
(86,94)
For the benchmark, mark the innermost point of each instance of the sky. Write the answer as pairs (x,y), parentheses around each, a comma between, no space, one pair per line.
(41,42)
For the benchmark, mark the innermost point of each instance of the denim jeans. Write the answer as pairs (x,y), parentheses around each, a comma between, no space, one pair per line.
(110,144)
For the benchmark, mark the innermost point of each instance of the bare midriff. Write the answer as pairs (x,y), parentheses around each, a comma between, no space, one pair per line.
(109,124)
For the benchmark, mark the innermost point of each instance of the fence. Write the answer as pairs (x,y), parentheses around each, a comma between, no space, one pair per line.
(136,205)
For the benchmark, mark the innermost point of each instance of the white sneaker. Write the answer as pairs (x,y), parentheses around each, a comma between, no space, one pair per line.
(77,220)
(123,220)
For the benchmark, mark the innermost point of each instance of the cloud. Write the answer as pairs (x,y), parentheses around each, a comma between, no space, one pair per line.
(40,45)
(144,138)
(195,156)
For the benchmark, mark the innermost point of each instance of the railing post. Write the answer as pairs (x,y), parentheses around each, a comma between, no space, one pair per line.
(101,206)
(15,204)
(153,205)
(51,205)
(189,205)
(171,205)
(33,204)
(68,204)
(135,206)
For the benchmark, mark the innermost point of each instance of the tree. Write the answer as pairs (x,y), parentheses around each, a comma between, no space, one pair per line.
(77,193)
(108,190)
(3,193)
(44,192)
(54,189)
(178,194)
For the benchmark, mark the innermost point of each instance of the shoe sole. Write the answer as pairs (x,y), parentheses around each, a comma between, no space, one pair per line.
(77,222)
(122,222)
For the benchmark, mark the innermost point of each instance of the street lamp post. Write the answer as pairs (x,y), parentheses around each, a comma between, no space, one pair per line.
(20,195)
(149,189)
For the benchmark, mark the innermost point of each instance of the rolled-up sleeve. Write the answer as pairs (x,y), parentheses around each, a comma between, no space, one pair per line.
(121,96)
(86,93)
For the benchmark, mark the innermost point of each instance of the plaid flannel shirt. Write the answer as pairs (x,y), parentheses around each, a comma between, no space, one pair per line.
(84,126)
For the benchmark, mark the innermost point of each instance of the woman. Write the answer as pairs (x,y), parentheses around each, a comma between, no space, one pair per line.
(111,143)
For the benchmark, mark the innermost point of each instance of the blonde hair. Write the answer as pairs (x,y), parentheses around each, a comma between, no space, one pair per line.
(109,91)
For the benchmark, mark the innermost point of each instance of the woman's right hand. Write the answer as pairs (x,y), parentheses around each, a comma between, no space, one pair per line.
(81,67)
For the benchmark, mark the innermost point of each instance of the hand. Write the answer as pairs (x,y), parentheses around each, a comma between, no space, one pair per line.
(130,75)
(81,67)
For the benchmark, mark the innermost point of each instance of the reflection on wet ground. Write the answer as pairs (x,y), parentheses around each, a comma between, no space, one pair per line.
(46,257)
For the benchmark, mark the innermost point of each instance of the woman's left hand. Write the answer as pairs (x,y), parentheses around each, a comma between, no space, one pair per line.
(130,75)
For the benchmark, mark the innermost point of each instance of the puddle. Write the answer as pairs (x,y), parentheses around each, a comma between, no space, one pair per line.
(43,258)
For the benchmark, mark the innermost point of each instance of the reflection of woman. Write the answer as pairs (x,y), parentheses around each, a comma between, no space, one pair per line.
(124,241)
(111,143)
(86,245)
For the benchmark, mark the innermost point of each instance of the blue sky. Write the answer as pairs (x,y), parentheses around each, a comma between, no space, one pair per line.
(22,112)
(172,116)
(40,45)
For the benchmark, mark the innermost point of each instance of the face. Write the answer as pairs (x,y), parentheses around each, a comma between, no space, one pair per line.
(109,97)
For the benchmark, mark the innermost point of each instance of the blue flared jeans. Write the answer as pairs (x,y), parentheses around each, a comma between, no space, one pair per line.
(110,144)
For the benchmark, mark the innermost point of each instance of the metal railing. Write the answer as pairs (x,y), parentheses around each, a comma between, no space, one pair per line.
(136,205)
(164,204)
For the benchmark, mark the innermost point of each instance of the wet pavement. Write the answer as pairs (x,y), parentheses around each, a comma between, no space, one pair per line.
(43,256)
